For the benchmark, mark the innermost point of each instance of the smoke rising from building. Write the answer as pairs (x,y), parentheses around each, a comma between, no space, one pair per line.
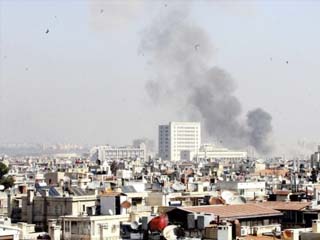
(259,123)
(148,142)
(180,53)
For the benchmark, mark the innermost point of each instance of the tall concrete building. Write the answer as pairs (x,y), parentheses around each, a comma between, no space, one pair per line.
(315,159)
(178,136)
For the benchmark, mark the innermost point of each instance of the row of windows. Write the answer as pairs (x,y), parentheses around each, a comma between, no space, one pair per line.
(186,143)
(259,222)
(186,127)
(78,228)
(186,135)
(123,152)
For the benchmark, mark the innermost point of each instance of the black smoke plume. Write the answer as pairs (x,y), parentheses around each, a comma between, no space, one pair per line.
(180,53)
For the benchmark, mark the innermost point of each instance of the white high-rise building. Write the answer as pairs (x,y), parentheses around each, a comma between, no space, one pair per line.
(177,137)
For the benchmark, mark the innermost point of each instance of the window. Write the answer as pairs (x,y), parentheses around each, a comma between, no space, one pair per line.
(74,227)
(67,226)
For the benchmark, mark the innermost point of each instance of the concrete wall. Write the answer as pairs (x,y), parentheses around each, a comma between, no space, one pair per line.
(43,209)
(259,230)
(9,232)
(310,236)
(155,199)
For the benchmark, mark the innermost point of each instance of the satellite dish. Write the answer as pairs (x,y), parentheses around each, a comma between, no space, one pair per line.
(166,191)
(169,233)
(227,196)
(216,201)
(1,187)
(134,225)
(287,234)
(126,204)
(158,223)
(177,186)
(237,200)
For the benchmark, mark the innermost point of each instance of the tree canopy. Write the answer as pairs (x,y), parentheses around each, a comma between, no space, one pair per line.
(5,181)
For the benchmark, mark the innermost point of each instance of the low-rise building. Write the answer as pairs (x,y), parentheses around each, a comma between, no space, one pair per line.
(105,227)
(38,209)
(249,190)
(252,218)
(107,152)
(210,151)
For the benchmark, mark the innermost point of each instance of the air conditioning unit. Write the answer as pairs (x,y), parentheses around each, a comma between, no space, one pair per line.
(244,232)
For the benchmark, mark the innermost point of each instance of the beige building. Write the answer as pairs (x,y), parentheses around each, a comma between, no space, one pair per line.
(38,209)
(92,227)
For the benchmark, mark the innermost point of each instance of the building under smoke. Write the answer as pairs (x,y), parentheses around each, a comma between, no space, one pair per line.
(180,55)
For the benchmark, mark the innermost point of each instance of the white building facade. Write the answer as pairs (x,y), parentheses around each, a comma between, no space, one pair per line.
(210,151)
(118,153)
(178,136)
(315,159)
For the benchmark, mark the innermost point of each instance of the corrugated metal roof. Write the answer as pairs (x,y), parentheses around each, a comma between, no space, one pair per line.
(258,238)
(235,211)
(278,205)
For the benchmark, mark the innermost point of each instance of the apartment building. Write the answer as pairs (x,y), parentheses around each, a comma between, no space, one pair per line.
(92,227)
(178,136)
(50,204)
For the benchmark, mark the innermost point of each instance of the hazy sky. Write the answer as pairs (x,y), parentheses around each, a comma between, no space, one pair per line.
(84,80)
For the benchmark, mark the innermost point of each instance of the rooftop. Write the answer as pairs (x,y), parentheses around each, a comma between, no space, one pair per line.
(280,205)
(235,211)
(259,238)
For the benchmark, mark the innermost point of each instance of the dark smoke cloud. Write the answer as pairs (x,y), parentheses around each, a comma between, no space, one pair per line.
(220,110)
(148,142)
(259,123)
(180,53)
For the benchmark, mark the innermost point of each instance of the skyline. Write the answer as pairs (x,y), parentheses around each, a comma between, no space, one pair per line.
(62,86)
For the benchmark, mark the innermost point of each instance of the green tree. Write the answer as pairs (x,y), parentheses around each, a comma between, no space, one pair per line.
(3,169)
(5,181)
